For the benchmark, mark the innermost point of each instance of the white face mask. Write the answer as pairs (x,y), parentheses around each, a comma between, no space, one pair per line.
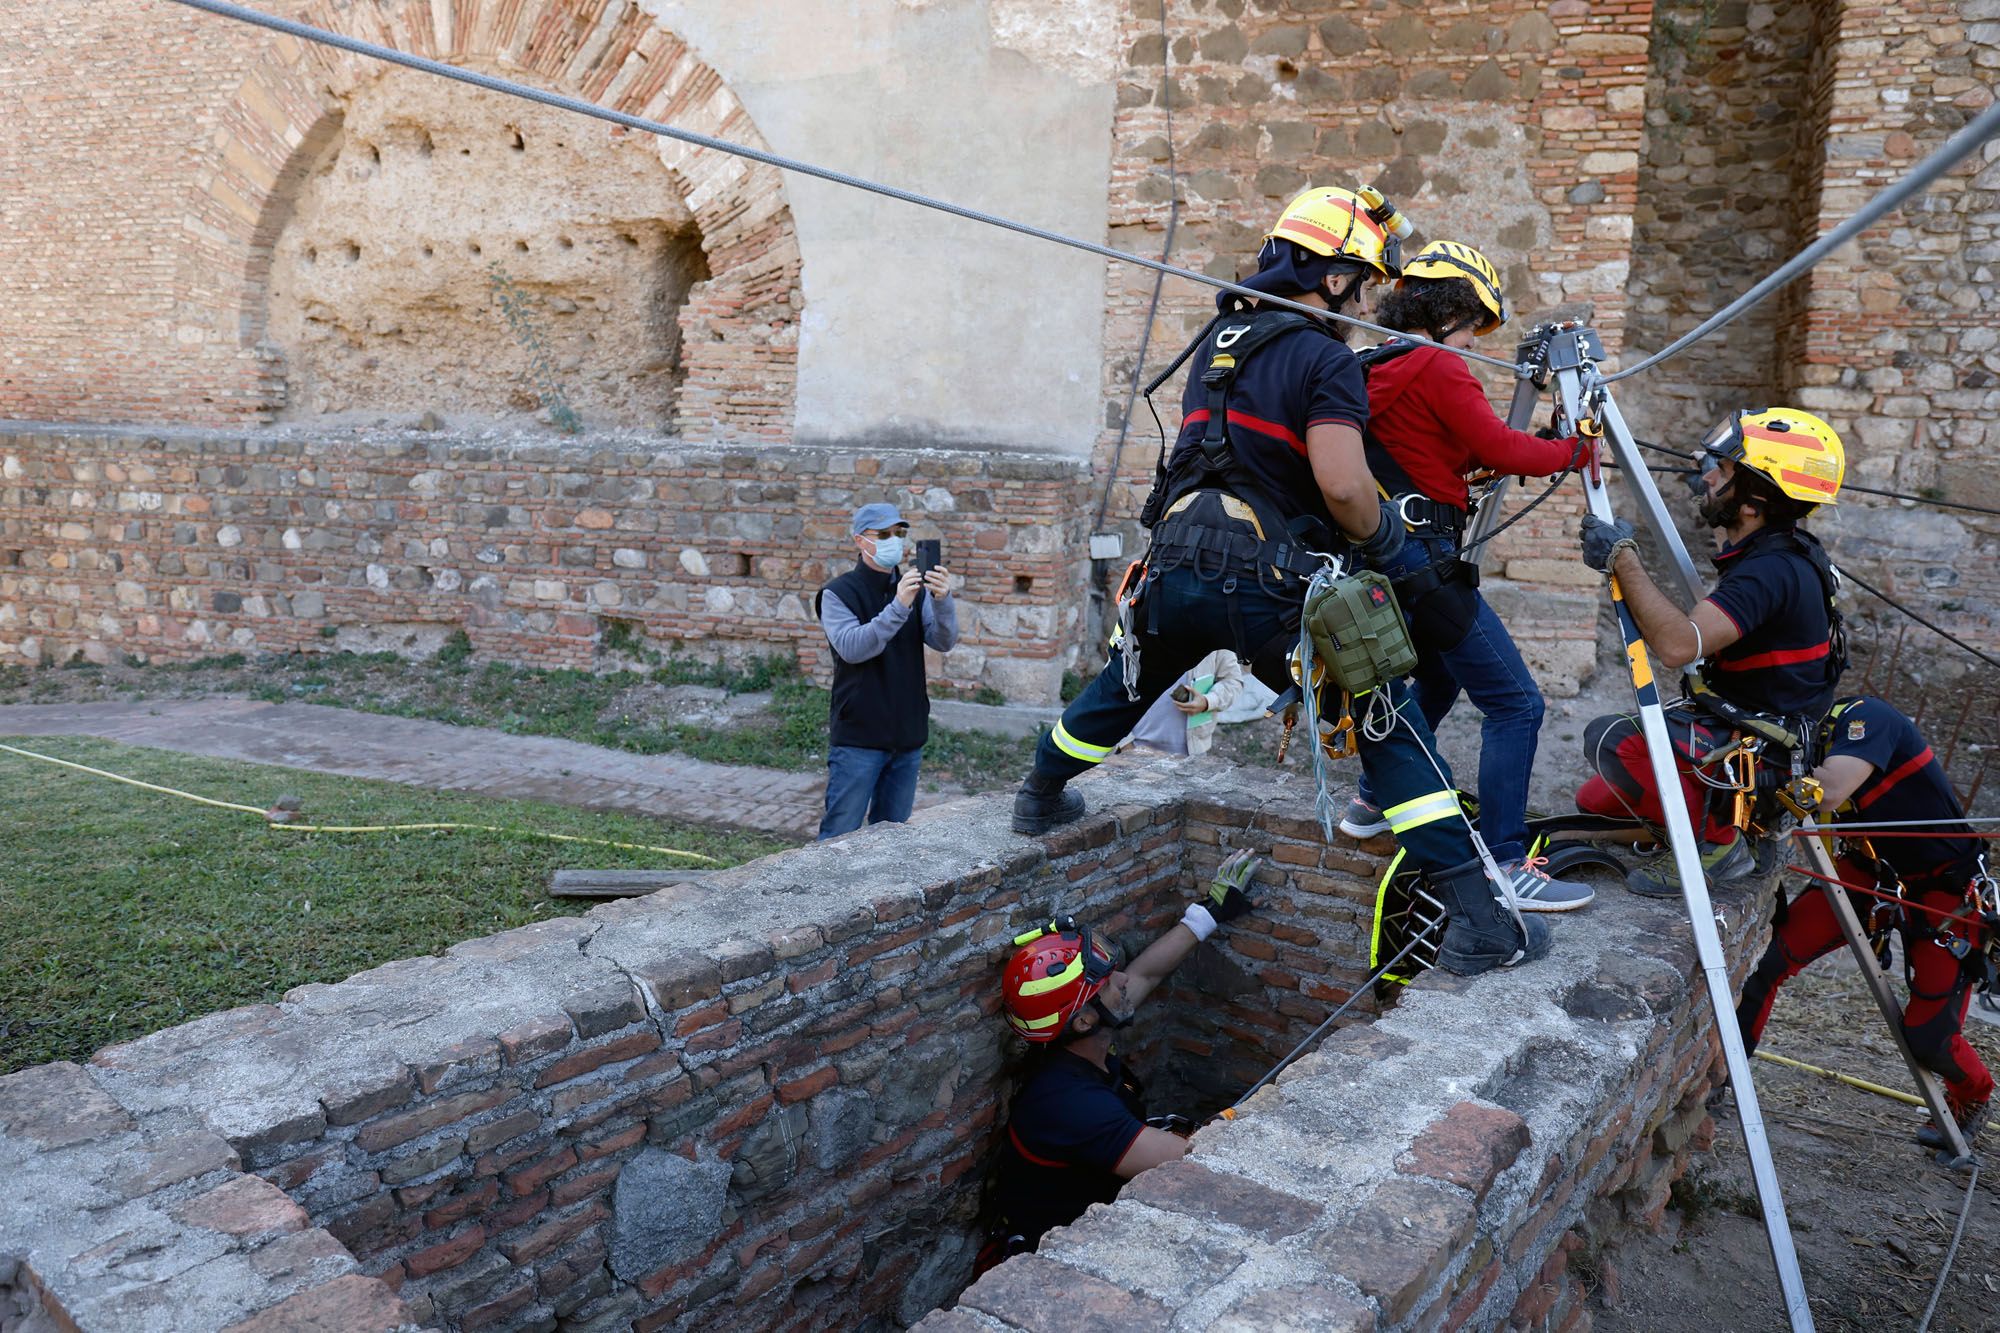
(888,552)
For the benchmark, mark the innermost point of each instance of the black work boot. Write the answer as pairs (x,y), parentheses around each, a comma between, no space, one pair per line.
(1482,934)
(1971,1119)
(1042,803)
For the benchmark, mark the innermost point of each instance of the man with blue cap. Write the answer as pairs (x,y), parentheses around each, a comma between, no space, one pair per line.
(881,712)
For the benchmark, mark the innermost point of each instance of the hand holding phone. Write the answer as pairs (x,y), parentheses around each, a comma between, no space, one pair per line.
(930,554)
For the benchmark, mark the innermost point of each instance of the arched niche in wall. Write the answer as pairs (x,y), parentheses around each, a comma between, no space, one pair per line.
(357,216)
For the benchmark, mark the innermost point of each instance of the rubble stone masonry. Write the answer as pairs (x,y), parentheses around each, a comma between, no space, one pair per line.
(188,543)
(770,1102)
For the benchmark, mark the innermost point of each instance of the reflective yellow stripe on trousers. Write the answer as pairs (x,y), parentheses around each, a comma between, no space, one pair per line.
(1083,751)
(1426,809)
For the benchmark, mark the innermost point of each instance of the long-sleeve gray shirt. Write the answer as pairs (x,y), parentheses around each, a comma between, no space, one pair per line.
(856,642)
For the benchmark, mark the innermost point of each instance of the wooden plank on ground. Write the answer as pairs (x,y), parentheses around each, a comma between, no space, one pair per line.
(619,883)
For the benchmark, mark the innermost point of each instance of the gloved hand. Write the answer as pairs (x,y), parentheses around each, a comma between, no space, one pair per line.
(1387,539)
(1587,455)
(1602,541)
(1226,898)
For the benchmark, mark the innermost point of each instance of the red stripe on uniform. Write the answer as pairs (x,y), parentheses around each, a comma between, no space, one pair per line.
(1022,1149)
(1778,657)
(1248,422)
(1902,771)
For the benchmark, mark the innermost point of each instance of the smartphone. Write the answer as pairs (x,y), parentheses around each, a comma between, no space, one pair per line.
(1182,694)
(930,554)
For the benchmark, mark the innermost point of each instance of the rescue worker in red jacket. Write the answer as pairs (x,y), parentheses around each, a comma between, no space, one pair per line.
(1767,635)
(1429,427)
(1078,1130)
(1879,771)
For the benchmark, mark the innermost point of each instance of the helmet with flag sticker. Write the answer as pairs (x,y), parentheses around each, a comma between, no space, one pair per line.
(1057,970)
(1795,451)
(1341,224)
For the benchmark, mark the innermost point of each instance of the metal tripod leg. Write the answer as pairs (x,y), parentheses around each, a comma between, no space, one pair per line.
(1701,913)
(1928,1086)
(1519,413)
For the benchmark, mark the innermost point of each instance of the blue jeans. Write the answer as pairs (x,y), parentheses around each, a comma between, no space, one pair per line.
(1488,668)
(878,786)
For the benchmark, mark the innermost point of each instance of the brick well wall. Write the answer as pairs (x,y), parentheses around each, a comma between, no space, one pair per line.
(185,543)
(768,1102)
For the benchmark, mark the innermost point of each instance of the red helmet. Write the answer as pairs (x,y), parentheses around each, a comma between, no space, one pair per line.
(1057,970)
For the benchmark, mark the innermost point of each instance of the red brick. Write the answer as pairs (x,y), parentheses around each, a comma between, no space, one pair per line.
(539,1037)
(469,1202)
(584,1184)
(449,1253)
(612,1141)
(798,1089)
(1470,1146)
(554,1234)
(531,1178)
(582,1062)
(1034,1292)
(351,1304)
(377,1135)
(243,1206)
(1193,1190)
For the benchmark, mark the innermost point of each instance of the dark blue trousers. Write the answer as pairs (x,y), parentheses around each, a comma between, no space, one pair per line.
(1197,614)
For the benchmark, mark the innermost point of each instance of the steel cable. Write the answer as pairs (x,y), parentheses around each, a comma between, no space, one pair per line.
(1958,1234)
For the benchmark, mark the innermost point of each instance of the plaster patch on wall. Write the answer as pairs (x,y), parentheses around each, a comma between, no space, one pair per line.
(382,282)
(1079,39)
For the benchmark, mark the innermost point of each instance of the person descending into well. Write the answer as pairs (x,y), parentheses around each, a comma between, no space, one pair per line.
(1429,426)
(1879,770)
(879,717)
(1077,1130)
(1768,634)
(1268,471)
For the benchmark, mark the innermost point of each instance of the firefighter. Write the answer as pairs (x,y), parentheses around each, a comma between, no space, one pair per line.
(1429,426)
(1078,1130)
(1767,636)
(1879,771)
(1268,471)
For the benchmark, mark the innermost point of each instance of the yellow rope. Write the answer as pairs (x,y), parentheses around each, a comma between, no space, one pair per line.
(358,828)
(1839,1077)
(134,782)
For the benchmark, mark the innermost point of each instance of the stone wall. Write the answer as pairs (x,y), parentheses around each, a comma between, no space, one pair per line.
(769,1102)
(186,543)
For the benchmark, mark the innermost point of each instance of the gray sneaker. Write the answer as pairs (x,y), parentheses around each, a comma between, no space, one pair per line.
(1362,820)
(1724,865)
(1535,890)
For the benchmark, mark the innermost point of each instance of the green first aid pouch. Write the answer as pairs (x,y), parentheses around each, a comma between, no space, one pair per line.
(1358,632)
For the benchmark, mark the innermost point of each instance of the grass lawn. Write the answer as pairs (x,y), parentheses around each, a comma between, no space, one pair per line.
(124,911)
(617,709)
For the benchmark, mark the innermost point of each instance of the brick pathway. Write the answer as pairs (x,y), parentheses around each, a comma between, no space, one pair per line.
(446,758)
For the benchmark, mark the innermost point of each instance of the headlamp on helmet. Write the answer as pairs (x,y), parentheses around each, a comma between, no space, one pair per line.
(1056,970)
(1341,224)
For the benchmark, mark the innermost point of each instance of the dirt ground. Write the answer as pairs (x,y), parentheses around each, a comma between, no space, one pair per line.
(1871,1215)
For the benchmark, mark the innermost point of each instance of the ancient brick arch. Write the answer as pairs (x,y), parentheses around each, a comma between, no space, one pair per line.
(738,327)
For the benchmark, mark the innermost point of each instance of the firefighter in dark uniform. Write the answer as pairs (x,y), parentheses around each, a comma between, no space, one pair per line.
(1078,1129)
(1878,770)
(1768,634)
(1268,471)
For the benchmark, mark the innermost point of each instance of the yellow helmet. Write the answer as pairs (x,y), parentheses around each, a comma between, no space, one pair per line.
(1334,222)
(1800,454)
(1449,259)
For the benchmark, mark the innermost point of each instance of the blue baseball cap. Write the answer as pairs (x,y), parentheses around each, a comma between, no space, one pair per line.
(873,517)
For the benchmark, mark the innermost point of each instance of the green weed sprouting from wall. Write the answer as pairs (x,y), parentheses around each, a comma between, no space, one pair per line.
(522,317)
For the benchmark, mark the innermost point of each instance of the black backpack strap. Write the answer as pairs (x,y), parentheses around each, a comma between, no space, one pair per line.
(1392,479)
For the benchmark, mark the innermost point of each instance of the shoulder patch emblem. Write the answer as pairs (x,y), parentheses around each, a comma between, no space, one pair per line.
(1857,730)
